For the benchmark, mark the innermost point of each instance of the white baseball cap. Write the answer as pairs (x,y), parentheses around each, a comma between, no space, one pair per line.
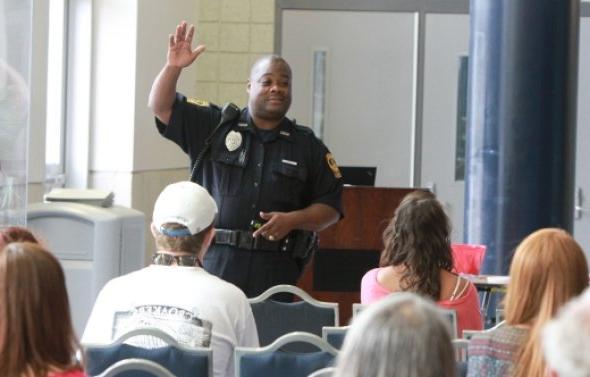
(185,203)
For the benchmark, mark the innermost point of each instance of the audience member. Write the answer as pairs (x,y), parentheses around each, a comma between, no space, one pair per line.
(417,258)
(566,339)
(418,195)
(403,335)
(16,234)
(548,269)
(36,334)
(175,293)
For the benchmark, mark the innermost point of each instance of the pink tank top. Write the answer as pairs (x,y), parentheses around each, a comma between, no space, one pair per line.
(466,306)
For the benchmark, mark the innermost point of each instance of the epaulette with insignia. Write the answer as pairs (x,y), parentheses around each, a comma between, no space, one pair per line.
(305,129)
(198,102)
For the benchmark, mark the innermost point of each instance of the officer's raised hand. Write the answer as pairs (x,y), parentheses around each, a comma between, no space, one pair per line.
(180,55)
(180,52)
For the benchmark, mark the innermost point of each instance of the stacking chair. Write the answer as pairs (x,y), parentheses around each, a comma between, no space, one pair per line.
(179,360)
(357,308)
(274,361)
(334,335)
(136,367)
(451,316)
(468,334)
(461,346)
(499,315)
(324,372)
(274,318)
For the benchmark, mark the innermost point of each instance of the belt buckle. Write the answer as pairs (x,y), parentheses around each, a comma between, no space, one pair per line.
(234,238)
(245,241)
(226,237)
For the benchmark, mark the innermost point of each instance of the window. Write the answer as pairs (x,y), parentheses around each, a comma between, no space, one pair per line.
(68,93)
(319,92)
(461,137)
(56,92)
(15,51)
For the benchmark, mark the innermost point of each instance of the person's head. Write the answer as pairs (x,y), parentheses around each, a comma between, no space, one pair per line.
(36,331)
(269,88)
(16,234)
(566,339)
(183,219)
(418,238)
(548,268)
(401,335)
(418,195)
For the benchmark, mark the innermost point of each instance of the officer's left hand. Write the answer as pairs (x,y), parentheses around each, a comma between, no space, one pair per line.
(276,227)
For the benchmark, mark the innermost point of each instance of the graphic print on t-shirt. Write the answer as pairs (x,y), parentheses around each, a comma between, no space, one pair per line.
(183,325)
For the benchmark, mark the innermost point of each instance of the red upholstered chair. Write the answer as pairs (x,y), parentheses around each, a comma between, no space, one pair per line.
(467,259)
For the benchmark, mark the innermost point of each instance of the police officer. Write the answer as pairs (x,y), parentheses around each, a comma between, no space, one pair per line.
(274,182)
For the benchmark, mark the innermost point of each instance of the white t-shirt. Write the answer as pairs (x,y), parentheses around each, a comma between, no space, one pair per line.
(195,307)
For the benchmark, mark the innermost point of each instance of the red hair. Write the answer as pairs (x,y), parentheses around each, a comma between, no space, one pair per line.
(16,234)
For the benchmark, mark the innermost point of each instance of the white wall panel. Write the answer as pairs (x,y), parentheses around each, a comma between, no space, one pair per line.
(447,38)
(369,84)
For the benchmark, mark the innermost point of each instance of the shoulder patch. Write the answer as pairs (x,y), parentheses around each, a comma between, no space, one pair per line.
(333,166)
(198,102)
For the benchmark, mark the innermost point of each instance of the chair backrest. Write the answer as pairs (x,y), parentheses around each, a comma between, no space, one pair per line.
(274,318)
(178,359)
(499,315)
(324,372)
(273,360)
(451,316)
(468,334)
(357,308)
(460,346)
(334,335)
(136,367)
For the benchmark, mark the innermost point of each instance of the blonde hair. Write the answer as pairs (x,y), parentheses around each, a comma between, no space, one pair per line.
(548,268)
(189,244)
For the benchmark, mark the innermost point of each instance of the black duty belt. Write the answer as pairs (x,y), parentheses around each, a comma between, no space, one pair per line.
(243,239)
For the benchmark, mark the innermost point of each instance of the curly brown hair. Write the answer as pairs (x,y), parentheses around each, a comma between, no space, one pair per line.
(418,238)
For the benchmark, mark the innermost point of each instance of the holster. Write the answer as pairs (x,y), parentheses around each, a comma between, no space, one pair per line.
(305,244)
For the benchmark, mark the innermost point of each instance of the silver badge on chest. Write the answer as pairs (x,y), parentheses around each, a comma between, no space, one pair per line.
(233,140)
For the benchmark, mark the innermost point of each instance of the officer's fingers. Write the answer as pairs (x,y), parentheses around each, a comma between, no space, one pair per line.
(263,230)
(265,215)
(259,232)
(197,51)
(183,30)
(178,34)
(189,35)
(171,40)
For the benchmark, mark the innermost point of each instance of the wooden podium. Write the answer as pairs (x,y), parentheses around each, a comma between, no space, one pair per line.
(351,247)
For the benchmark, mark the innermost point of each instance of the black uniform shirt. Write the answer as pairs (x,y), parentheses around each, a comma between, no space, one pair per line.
(283,170)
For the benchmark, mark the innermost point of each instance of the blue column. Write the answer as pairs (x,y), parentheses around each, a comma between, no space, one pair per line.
(521,122)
